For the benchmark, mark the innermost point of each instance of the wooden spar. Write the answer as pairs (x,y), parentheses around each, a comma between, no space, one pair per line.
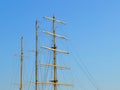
(61,51)
(56,83)
(55,35)
(56,66)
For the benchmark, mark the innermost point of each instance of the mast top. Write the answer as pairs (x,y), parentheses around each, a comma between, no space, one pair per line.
(55,20)
(37,24)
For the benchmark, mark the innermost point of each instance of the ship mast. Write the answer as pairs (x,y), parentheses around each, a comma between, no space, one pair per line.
(54,82)
(54,53)
(36,56)
(21,63)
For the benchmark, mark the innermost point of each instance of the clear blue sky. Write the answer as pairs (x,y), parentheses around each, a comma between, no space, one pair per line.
(93,27)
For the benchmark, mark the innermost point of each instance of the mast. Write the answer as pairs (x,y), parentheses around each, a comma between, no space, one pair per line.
(54,54)
(21,63)
(54,82)
(36,56)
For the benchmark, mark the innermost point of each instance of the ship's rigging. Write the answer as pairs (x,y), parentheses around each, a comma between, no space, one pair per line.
(54,81)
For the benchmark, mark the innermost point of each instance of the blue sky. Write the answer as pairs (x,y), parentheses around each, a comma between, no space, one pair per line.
(92,26)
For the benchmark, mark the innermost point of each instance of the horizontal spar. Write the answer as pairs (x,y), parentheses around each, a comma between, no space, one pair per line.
(61,51)
(55,35)
(55,65)
(59,21)
(55,83)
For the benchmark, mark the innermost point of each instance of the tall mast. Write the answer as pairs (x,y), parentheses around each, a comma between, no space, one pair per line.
(36,61)
(54,82)
(21,63)
(54,54)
